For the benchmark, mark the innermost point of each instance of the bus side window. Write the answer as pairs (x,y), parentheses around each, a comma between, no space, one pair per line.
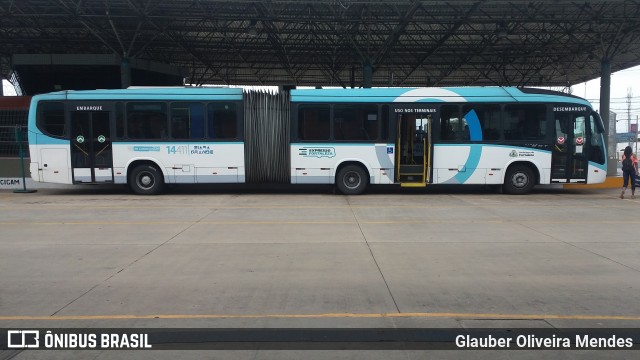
(313,122)
(51,119)
(147,120)
(450,123)
(596,153)
(187,121)
(385,123)
(524,122)
(488,116)
(157,125)
(222,121)
(120,123)
(355,122)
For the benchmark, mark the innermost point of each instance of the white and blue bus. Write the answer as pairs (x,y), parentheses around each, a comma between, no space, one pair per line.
(149,137)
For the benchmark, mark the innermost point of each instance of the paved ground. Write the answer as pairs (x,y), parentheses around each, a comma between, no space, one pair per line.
(304,257)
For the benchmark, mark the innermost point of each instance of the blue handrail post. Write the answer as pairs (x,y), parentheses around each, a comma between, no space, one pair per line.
(20,139)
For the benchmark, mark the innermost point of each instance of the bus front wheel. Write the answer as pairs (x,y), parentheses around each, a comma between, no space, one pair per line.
(352,180)
(519,180)
(146,180)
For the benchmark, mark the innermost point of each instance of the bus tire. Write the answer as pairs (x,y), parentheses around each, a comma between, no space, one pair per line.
(519,180)
(146,180)
(352,180)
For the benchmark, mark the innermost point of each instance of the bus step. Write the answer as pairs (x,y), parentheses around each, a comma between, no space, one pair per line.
(409,173)
(413,184)
(411,168)
(411,178)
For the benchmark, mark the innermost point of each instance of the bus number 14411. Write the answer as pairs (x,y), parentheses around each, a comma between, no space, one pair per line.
(180,149)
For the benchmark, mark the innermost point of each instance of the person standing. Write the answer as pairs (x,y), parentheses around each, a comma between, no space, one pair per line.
(629,171)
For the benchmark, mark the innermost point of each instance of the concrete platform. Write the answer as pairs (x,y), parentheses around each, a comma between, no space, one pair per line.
(303,257)
(610,182)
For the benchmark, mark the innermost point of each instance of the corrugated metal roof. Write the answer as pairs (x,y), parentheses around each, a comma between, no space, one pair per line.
(407,43)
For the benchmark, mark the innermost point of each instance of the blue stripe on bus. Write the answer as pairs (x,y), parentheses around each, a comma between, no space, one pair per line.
(177,94)
(47,140)
(388,95)
(41,139)
(473,159)
(514,147)
(474,126)
(148,97)
(544,98)
(475,153)
(168,142)
(339,144)
(602,167)
(382,93)
(341,99)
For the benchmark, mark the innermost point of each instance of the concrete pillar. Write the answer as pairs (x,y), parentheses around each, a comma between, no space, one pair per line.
(605,106)
(125,73)
(367,75)
(353,76)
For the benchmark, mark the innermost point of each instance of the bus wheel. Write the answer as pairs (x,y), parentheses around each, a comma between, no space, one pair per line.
(146,180)
(519,180)
(352,180)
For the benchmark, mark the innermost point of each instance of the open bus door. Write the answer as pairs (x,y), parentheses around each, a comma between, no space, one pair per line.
(414,148)
(569,158)
(91,150)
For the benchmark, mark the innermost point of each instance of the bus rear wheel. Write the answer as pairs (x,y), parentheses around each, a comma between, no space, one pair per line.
(519,180)
(146,180)
(352,180)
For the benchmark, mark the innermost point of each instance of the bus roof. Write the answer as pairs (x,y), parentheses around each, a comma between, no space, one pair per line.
(450,94)
(369,95)
(147,93)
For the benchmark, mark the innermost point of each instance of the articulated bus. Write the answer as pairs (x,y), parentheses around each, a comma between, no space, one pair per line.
(149,137)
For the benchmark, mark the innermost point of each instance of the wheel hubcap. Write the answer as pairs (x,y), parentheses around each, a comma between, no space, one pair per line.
(352,180)
(520,180)
(145,180)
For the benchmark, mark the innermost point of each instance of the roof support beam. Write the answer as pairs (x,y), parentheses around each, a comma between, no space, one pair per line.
(275,40)
(443,39)
(395,34)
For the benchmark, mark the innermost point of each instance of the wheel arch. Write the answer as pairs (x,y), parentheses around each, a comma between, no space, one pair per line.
(137,162)
(530,164)
(355,162)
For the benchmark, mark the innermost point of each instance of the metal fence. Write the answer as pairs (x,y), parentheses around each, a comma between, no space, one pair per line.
(9,119)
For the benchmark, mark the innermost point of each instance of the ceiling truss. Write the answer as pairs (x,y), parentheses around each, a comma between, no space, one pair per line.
(313,43)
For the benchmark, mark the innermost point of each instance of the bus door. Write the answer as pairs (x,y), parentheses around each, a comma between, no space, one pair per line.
(569,161)
(91,151)
(413,155)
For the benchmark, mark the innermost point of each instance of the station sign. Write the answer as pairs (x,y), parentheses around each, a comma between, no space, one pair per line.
(626,137)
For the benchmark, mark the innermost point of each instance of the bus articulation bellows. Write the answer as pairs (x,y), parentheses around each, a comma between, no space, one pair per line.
(353,138)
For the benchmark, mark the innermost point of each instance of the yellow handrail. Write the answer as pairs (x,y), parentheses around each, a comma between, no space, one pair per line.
(398,148)
(427,160)
(424,157)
